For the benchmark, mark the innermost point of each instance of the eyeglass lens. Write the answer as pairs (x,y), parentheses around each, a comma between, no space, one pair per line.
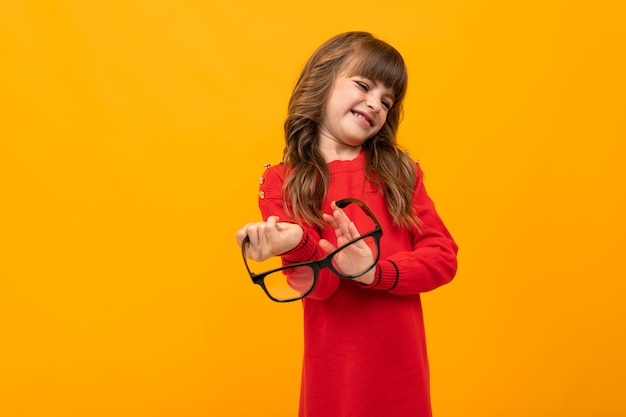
(356,258)
(293,282)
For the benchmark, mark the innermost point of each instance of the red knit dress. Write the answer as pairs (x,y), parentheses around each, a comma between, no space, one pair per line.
(364,346)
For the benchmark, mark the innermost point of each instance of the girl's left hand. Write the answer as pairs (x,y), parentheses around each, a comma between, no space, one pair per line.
(354,258)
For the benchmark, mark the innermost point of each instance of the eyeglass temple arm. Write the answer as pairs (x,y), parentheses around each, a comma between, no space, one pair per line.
(345,202)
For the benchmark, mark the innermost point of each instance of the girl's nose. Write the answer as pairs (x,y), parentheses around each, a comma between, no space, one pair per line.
(374,104)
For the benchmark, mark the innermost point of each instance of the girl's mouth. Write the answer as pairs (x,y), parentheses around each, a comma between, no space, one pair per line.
(364,118)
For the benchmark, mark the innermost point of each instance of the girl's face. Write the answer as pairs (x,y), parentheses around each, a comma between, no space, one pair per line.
(356,110)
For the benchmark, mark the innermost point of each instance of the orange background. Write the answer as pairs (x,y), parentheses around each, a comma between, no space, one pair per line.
(132,135)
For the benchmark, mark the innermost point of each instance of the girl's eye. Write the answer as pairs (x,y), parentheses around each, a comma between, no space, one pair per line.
(362,85)
(386,105)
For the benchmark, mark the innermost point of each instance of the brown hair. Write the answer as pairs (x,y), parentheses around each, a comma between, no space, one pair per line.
(390,168)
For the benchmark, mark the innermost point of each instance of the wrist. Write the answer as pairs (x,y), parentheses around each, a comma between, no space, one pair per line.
(368,277)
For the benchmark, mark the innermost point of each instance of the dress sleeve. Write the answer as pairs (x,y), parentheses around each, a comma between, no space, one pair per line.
(432,262)
(270,204)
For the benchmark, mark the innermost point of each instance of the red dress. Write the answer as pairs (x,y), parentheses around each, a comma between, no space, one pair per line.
(364,346)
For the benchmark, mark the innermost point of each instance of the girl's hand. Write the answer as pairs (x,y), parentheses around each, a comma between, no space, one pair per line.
(270,238)
(355,257)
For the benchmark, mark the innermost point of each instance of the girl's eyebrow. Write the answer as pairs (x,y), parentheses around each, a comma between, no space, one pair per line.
(377,82)
(391,95)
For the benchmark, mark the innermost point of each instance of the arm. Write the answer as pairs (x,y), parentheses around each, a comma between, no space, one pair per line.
(430,263)
(307,248)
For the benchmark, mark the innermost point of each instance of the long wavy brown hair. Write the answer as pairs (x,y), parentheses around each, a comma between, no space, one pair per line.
(387,166)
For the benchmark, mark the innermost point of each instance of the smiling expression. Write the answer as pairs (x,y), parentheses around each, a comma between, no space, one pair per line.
(356,110)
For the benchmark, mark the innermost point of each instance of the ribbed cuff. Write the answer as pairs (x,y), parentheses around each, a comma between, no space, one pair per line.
(306,250)
(386,277)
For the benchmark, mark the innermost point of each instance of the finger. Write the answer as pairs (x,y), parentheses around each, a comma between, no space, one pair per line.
(326,246)
(254,232)
(341,216)
(272,231)
(241,234)
(271,221)
(280,225)
(353,230)
(330,220)
(344,223)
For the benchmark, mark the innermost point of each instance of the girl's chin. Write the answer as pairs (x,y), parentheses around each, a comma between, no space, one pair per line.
(353,143)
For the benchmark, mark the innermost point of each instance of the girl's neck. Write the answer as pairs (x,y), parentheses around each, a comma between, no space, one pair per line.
(343,155)
(336,151)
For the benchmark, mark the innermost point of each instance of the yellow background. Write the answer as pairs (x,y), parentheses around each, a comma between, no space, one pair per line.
(132,135)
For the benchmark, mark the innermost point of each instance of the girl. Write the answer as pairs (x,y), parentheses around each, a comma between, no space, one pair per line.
(364,342)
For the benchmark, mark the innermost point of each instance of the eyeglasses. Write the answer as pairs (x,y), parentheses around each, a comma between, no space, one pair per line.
(295,281)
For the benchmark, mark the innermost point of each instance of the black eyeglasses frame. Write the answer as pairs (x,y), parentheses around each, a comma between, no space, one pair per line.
(325,262)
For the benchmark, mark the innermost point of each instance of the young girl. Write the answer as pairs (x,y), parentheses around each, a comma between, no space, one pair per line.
(364,342)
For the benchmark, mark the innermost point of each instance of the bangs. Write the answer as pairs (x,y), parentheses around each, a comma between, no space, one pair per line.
(382,63)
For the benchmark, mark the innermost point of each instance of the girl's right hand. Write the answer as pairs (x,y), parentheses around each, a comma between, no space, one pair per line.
(270,238)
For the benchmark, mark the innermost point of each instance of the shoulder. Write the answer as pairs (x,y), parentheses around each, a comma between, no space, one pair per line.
(418,168)
(419,176)
(272,180)
(276,171)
